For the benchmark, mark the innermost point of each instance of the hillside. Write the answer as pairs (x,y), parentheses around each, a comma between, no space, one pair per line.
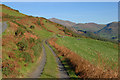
(22,41)
(62,22)
(92,27)
(107,31)
(8,13)
(65,23)
(35,47)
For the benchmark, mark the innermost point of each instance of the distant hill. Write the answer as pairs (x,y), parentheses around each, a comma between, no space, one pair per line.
(108,31)
(63,22)
(92,27)
(24,45)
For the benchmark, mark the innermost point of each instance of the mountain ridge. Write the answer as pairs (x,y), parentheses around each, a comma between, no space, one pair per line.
(94,28)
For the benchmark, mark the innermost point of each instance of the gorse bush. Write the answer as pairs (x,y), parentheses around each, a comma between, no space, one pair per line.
(32,27)
(22,46)
(26,56)
(9,68)
(5,71)
(31,40)
(19,31)
(38,22)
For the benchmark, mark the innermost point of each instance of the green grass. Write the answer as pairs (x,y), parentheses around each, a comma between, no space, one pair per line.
(12,13)
(51,27)
(50,69)
(66,65)
(43,34)
(88,48)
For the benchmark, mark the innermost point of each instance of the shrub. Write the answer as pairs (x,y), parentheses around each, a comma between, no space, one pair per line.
(21,46)
(26,56)
(31,40)
(19,31)
(9,68)
(38,22)
(32,27)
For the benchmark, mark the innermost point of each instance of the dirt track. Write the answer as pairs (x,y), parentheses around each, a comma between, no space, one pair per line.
(3,26)
(62,71)
(38,71)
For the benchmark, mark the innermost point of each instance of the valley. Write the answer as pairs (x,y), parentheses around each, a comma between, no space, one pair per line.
(107,31)
(35,47)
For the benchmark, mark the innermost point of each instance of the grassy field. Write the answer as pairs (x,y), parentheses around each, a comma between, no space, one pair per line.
(91,49)
(43,34)
(51,26)
(50,69)
(12,13)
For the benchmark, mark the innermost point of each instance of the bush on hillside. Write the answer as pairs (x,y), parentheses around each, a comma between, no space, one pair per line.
(9,68)
(31,40)
(38,22)
(22,46)
(19,31)
(26,56)
(32,27)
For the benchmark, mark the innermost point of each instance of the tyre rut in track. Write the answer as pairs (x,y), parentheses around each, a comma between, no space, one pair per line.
(38,71)
(63,72)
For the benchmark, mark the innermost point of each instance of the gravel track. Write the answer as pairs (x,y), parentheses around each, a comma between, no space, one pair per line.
(38,71)
(63,73)
(3,26)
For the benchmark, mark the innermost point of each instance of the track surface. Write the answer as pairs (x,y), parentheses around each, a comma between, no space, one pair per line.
(63,73)
(38,71)
(4,26)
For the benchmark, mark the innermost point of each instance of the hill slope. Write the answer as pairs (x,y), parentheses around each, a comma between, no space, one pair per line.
(92,27)
(24,37)
(22,41)
(62,22)
(8,13)
(108,31)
